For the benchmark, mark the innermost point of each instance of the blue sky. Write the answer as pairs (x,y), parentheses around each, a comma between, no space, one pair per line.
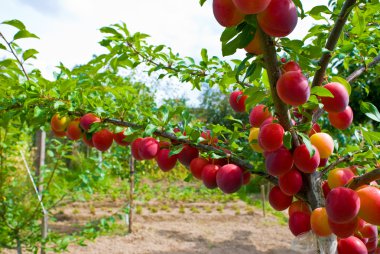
(69,29)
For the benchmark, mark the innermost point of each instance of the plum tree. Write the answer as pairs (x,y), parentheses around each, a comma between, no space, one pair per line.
(277,87)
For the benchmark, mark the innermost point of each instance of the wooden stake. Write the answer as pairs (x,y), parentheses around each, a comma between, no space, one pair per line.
(263,198)
(40,162)
(131,191)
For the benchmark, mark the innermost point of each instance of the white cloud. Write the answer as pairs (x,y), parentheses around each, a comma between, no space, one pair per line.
(69,29)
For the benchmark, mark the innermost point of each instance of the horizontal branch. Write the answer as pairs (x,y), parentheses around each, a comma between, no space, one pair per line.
(362,69)
(364,179)
(232,158)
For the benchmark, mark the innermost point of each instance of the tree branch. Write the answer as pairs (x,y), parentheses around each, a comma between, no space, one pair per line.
(364,179)
(332,41)
(15,55)
(271,65)
(234,159)
(336,163)
(362,69)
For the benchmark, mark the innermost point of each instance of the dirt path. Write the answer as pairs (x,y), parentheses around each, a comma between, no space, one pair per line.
(187,233)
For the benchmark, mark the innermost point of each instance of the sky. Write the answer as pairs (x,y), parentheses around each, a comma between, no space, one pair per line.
(69,29)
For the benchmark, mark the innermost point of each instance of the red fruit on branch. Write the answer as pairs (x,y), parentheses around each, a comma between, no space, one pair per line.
(271,137)
(291,182)
(102,140)
(229,178)
(258,115)
(119,138)
(341,120)
(279,19)
(237,101)
(59,123)
(164,161)
(135,149)
(303,159)
(339,102)
(291,66)
(351,245)
(187,154)
(196,167)
(255,47)
(74,132)
(278,199)
(209,175)
(299,222)
(226,13)
(342,212)
(87,120)
(87,141)
(279,162)
(148,148)
(293,88)
(251,7)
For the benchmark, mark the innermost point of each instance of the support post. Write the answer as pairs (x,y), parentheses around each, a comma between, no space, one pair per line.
(40,162)
(131,191)
(263,198)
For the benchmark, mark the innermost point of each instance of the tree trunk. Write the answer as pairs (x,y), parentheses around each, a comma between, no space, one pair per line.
(326,245)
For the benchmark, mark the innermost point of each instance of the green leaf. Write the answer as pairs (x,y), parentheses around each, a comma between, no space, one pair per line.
(204,55)
(306,141)
(150,129)
(202,2)
(343,82)
(370,110)
(24,34)
(317,12)
(228,34)
(287,140)
(15,23)
(3,47)
(29,54)
(321,91)
(371,136)
(37,112)
(175,150)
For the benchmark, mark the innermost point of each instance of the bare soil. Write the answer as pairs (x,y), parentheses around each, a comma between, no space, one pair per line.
(191,230)
(179,229)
